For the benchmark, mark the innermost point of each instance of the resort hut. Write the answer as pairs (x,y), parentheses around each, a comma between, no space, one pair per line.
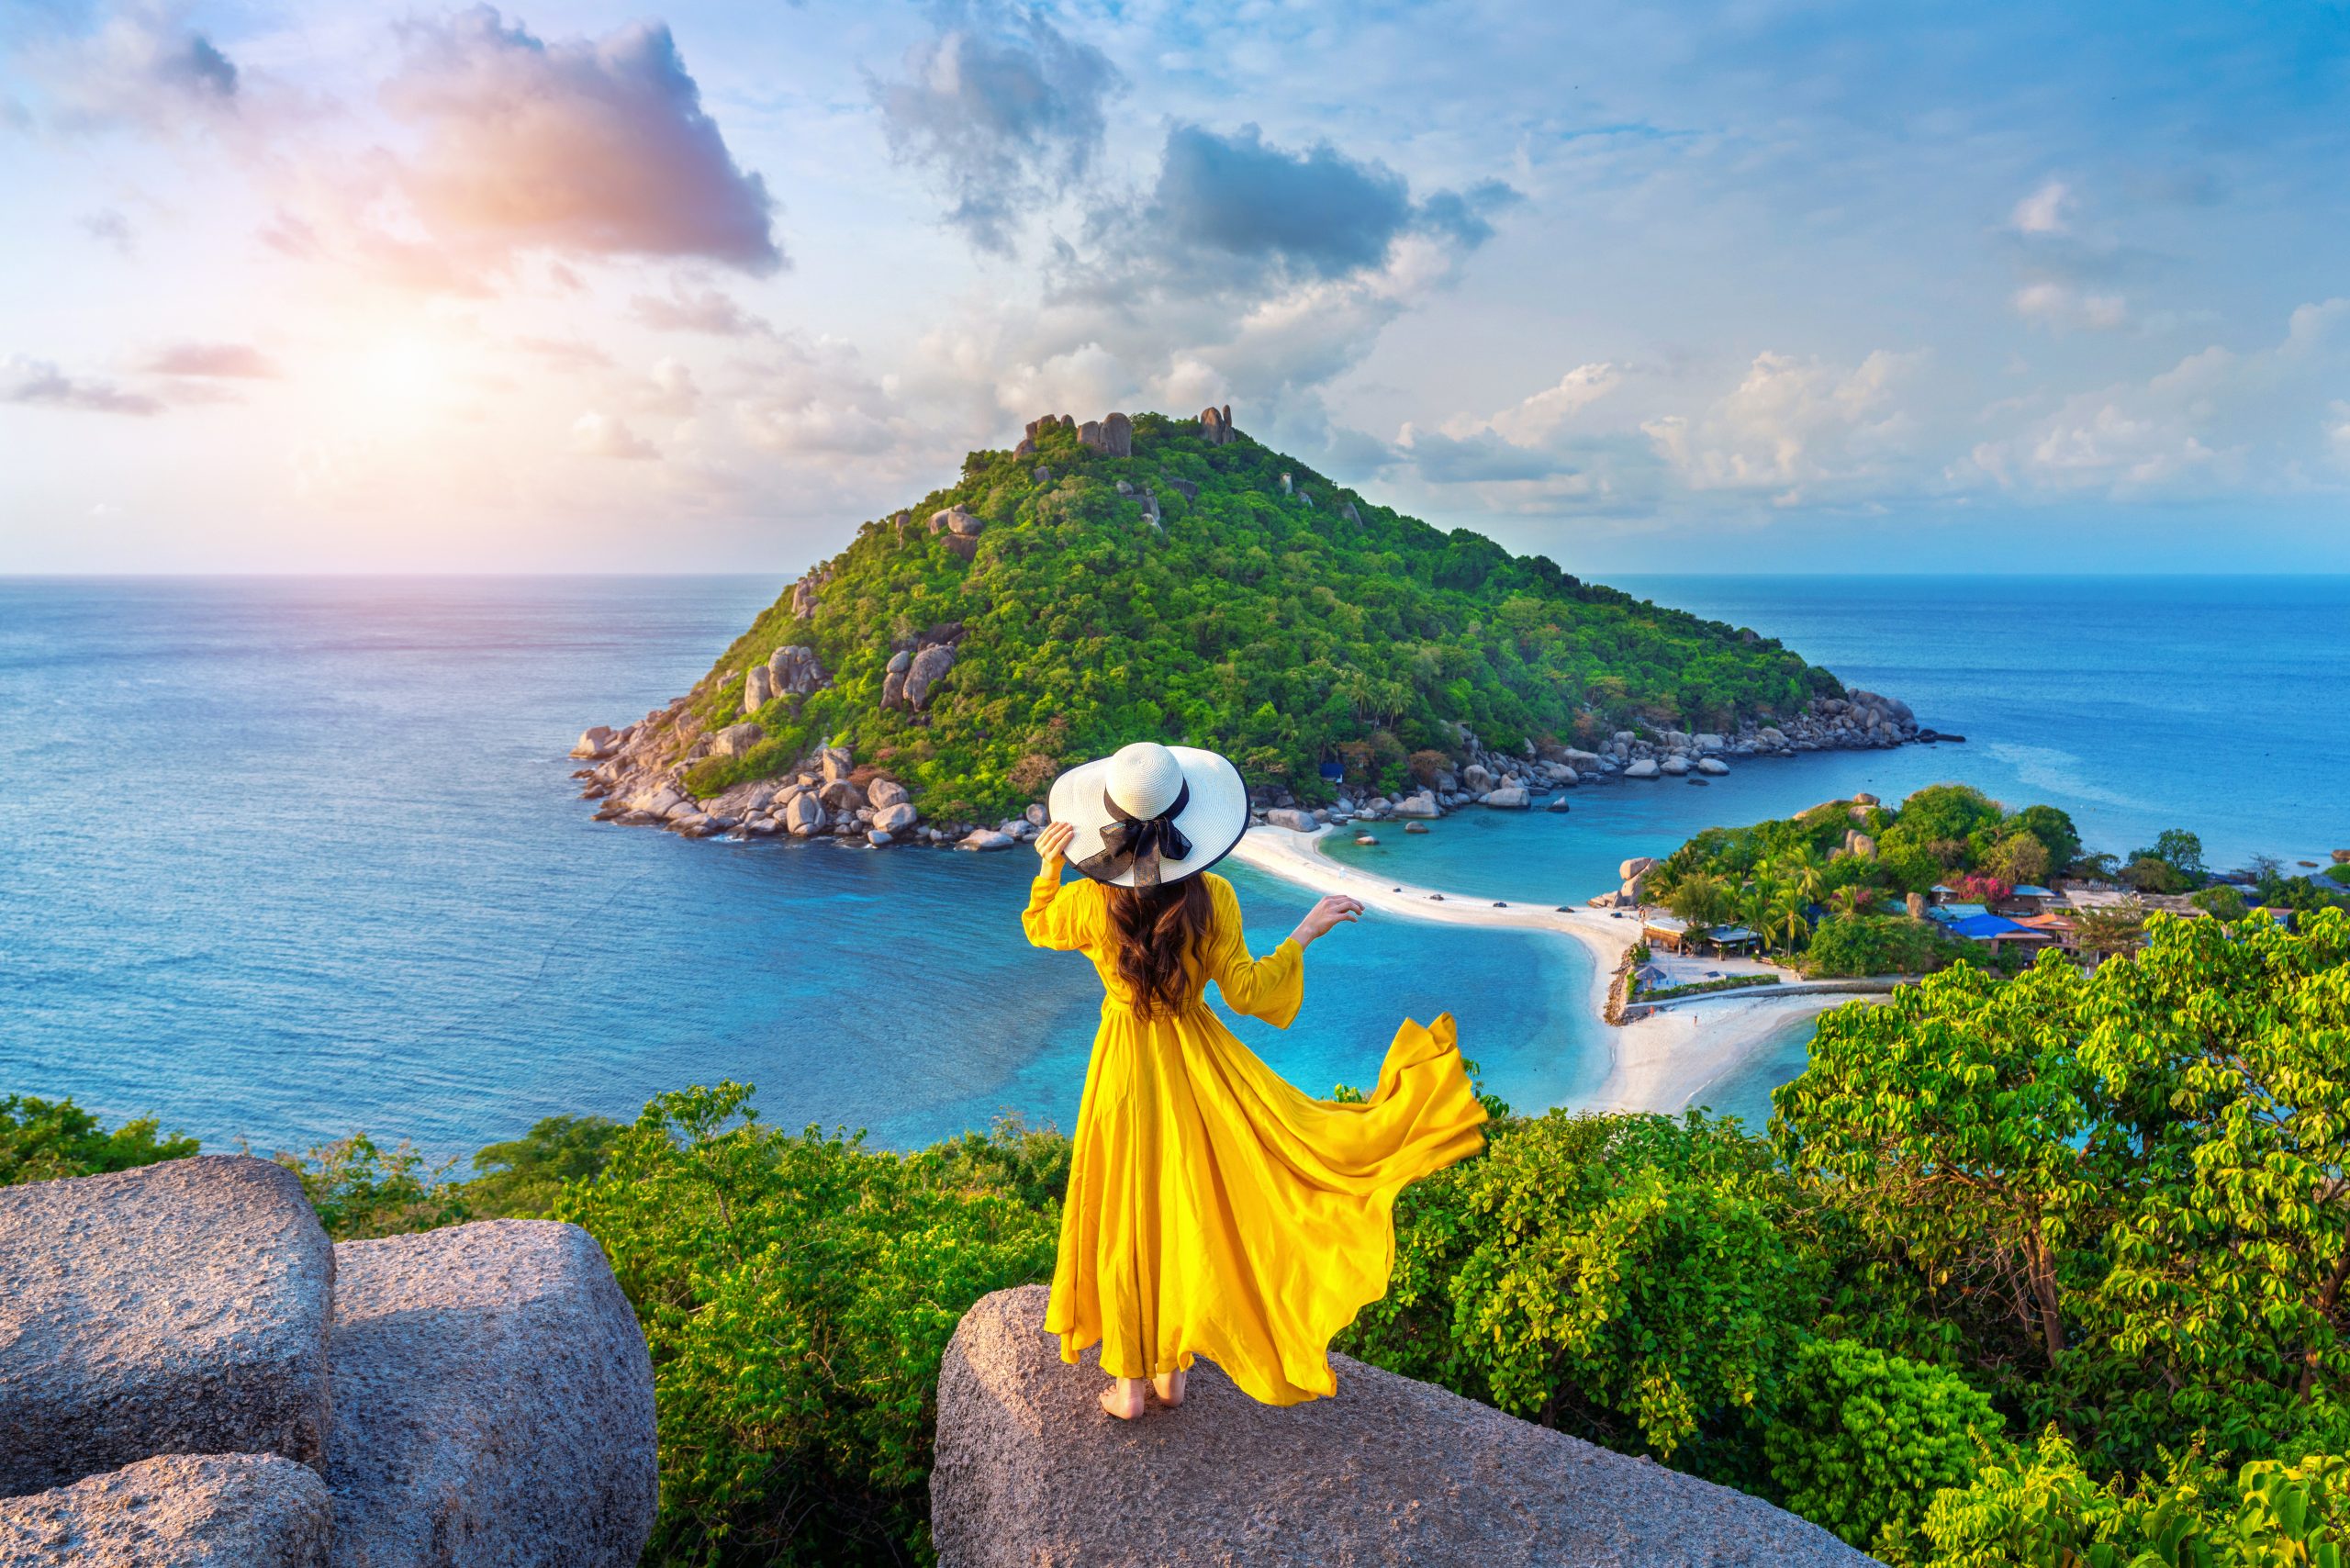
(1650,977)
(1668,932)
(2025,899)
(1733,939)
(1997,931)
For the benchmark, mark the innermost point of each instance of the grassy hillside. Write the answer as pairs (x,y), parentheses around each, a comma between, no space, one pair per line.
(1267,625)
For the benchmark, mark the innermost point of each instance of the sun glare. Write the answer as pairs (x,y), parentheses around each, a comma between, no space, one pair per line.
(403,371)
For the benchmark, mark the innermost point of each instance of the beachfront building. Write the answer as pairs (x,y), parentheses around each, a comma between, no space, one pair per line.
(1674,935)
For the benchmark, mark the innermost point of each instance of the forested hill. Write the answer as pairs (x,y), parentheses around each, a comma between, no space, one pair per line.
(1199,587)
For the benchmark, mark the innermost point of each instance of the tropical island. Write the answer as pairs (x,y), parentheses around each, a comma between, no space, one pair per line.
(1162,578)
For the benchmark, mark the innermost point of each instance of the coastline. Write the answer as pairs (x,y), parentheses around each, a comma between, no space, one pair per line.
(1659,1063)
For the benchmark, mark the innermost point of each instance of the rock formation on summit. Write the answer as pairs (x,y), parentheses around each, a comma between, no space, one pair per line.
(1391,1471)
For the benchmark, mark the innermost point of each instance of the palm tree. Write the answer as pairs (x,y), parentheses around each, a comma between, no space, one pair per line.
(1806,873)
(1786,920)
(1852,899)
(1702,899)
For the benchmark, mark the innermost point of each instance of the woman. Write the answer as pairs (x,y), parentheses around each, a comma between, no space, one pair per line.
(1213,1210)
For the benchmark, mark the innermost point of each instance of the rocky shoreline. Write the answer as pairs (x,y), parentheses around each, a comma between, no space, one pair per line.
(638,772)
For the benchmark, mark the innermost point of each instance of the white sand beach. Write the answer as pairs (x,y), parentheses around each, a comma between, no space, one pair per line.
(1659,1063)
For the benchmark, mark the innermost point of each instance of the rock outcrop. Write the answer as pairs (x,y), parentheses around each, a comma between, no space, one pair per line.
(1117,436)
(736,739)
(492,1393)
(176,1308)
(215,1510)
(478,1396)
(1215,426)
(1391,1471)
(929,666)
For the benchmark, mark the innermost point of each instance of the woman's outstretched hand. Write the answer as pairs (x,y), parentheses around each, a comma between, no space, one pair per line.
(1052,844)
(1324,915)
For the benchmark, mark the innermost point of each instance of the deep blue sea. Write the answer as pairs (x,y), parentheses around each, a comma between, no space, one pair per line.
(284,857)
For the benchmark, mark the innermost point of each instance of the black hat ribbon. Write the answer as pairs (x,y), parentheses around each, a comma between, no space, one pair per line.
(1143,841)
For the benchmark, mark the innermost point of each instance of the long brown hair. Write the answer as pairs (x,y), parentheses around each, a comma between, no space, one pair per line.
(1157,928)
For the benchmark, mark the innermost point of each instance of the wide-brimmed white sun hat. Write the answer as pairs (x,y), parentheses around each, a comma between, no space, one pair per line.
(1150,813)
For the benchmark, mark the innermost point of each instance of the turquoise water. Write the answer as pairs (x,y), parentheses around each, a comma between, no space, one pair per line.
(2134,704)
(280,858)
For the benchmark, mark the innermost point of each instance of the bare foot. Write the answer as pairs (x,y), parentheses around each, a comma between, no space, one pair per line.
(1169,1387)
(1123,1398)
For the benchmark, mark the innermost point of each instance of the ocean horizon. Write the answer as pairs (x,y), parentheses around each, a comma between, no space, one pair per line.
(348,884)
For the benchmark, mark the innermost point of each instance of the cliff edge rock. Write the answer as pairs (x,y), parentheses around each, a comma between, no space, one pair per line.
(1030,1473)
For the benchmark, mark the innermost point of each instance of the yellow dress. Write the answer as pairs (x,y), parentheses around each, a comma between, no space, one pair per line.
(1213,1209)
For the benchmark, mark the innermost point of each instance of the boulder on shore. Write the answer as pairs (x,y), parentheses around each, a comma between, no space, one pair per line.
(893,818)
(213,1510)
(1510,797)
(595,741)
(1422,805)
(493,1401)
(985,838)
(1713,765)
(175,1308)
(736,739)
(1391,1471)
(1644,769)
(1290,818)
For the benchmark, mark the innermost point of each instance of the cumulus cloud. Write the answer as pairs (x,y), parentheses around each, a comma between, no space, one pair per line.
(2061,307)
(1791,424)
(1477,457)
(223,361)
(812,397)
(39,383)
(1542,414)
(1004,111)
(1246,270)
(672,388)
(2047,210)
(598,434)
(698,310)
(1316,213)
(581,147)
(144,67)
(2217,415)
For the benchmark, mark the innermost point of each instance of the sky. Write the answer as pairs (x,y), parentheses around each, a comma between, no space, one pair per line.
(1751,286)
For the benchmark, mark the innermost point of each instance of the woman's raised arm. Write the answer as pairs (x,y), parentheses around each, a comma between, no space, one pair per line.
(1273,986)
(1055,916)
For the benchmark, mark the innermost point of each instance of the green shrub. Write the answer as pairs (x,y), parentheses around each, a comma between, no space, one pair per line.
(796,1292)
(362,1190)
(1617,1277)
(1860,1441)
(41,1140)
(2044,1510)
